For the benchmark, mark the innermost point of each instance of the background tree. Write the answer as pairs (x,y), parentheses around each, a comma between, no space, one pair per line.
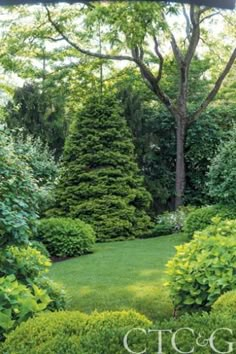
(100,182)
(222,173)
(39,114)
(153,132)
(131,27)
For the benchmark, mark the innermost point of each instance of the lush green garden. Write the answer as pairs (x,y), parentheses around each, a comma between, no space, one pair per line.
(121,275)
(117,182)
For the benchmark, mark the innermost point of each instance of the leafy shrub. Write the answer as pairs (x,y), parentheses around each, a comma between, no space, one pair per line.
(38,156)
(219,227)
(43,166)
(170,222)
(105,332)
(201,271)
(222,173)
(203,325)
(26,263)
(58,297)
(225,304)
(18,302)
(21,295)
(19,195)
(39,246)
(66,237)
(76,333)
(30,268)
(199,219)
(159,230)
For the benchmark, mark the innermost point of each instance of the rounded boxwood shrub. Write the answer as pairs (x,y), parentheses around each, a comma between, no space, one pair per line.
(77,333)
(66,237)
(51,332)
(104,332)
(226,304)
(201,271)
(200,218)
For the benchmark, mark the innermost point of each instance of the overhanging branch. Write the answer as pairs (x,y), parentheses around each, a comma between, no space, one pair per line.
(82,50)
(216,87)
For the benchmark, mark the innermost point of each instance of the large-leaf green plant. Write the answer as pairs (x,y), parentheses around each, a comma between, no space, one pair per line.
(203,269)
(28,291)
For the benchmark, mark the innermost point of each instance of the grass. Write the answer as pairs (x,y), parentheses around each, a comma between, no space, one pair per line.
(120,275)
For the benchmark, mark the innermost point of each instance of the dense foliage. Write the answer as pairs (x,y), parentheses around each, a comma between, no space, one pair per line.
(194,332)
(174,221)
(200,218)
(201,271)
(100,182)
(222,174)
(153,131)
(40,159)
(66,237)
(19,193)
(75,333)
(23,294)
(38,113)
(220,227)
(18,302)
(225,304)
(70,332)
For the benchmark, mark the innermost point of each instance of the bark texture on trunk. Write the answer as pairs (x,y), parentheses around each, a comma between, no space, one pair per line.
(180,162)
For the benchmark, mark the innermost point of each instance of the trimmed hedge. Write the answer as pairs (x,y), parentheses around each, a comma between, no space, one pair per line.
(77,333)
(49,333)
(226,304)
(201,218)
(66,237)
(103,333)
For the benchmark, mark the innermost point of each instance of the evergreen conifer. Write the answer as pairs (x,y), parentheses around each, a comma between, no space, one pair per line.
(100,182)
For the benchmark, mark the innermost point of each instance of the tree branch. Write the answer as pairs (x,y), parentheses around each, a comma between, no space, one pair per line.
(82,50)
(209,16)
(161,59)
(176,51)
(195,36)
(216,87)
(137,56)
(188,24)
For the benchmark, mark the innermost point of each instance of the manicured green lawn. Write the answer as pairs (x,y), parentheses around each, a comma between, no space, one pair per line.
(120,275)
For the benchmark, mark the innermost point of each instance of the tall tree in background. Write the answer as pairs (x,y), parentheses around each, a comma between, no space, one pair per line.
(39,115)
(100,181)
(132,26)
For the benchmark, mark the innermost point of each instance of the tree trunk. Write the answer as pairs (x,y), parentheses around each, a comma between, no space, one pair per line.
(180,162)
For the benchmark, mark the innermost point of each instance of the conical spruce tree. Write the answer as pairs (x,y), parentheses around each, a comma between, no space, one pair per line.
(100,182)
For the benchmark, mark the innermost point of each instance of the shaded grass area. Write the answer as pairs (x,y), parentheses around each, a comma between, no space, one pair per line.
(120,275)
